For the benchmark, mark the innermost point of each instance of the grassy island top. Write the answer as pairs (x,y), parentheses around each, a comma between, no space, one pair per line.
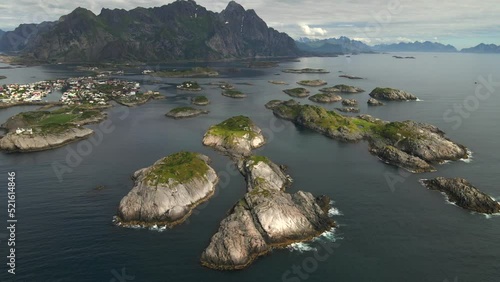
(197,71)
(237,126)
(233,92)
(200,99)
(298,90)
(259,159)
(189,85)
(383,90)
(330,120)
(182,109)
(180,167)
(56,121)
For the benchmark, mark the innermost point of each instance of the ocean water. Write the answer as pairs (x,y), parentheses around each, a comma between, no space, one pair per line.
(390,228)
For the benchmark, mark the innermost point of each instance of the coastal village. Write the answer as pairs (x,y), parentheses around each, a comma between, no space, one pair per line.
(76,91)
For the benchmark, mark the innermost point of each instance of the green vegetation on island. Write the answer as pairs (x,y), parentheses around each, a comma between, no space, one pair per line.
(233,93)
(193,72)
(237,126)
(180,167)
(200,101)
(315,83)
(297,92)
(185,112)
(189,86)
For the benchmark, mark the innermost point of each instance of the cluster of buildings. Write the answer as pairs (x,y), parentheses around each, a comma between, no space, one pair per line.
(33,92)
(91,90)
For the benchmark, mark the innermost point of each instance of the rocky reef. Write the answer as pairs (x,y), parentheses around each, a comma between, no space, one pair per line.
(390,94)
(185,112)
(236,136)
(46,130)
(374,102)
(406,144)
(265,218)
(200,101)
(305,70)
(348,110)
(350,102)
(297,92)
(342,88)
(325,98)
(462,193)
(165,193)
(312,83)
(231,93)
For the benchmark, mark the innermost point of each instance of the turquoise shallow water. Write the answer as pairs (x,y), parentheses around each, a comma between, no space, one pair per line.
(401,232)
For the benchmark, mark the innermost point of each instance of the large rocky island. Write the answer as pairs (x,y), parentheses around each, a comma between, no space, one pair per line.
(342,88)
(391,94)
(45,130)
(166,193)
(460,192)
(235,136)
(265,218)
(410,145)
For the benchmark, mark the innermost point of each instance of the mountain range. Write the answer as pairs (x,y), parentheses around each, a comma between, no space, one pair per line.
(182,30)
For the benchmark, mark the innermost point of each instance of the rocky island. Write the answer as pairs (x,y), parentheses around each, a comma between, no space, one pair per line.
(185,112)
(265,218)
(45,130)
(348,110)
(231,93)
(193,72)
(350,102)
(297,92)
(374,102)
(460,192)
(2,77)
(410,145)
(189,86)
(325,98)
(342,88)
(277,82)
(350,76)
(235,136)
(390,94)
(305,70)
(166,193)
(312,83)
(200,101)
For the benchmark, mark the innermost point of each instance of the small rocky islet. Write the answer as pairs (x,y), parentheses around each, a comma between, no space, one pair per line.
(391,94)
(342,88)
(298,92)
(185,112)
(189,86)
(235,136)
(410,145)
(325,98)
(232,93)
(166,193)
(200,101)
(312,83)
(44,130)
(462,193)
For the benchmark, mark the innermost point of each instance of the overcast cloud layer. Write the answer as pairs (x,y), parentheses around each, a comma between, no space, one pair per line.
(463,23)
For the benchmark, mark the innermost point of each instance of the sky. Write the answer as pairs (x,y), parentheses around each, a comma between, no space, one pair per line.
(462,23)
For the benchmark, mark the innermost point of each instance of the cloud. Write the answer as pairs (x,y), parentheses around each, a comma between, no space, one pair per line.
(312,31)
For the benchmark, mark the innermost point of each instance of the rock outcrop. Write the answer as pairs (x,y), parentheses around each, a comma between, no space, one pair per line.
(13,142)
(200,101)
(165,193)
(348,110)
(185,112)
(374,102)
(390,94)
(407,144)
(342,88)
(325,98)
(267,217)
(460,192)
(237,136)
(297,92)
(350,102)
(312,83)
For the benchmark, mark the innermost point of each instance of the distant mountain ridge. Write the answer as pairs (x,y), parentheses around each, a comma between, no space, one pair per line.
(1,33)
(482,48)
(341,45)
(182,30)
(416,46)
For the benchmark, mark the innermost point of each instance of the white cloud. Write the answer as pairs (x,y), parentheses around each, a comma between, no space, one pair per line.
(312,31)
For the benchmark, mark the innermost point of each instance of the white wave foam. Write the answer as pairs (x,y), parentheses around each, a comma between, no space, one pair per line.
(418,100)
(334,211)
(301,247)
(469,157)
